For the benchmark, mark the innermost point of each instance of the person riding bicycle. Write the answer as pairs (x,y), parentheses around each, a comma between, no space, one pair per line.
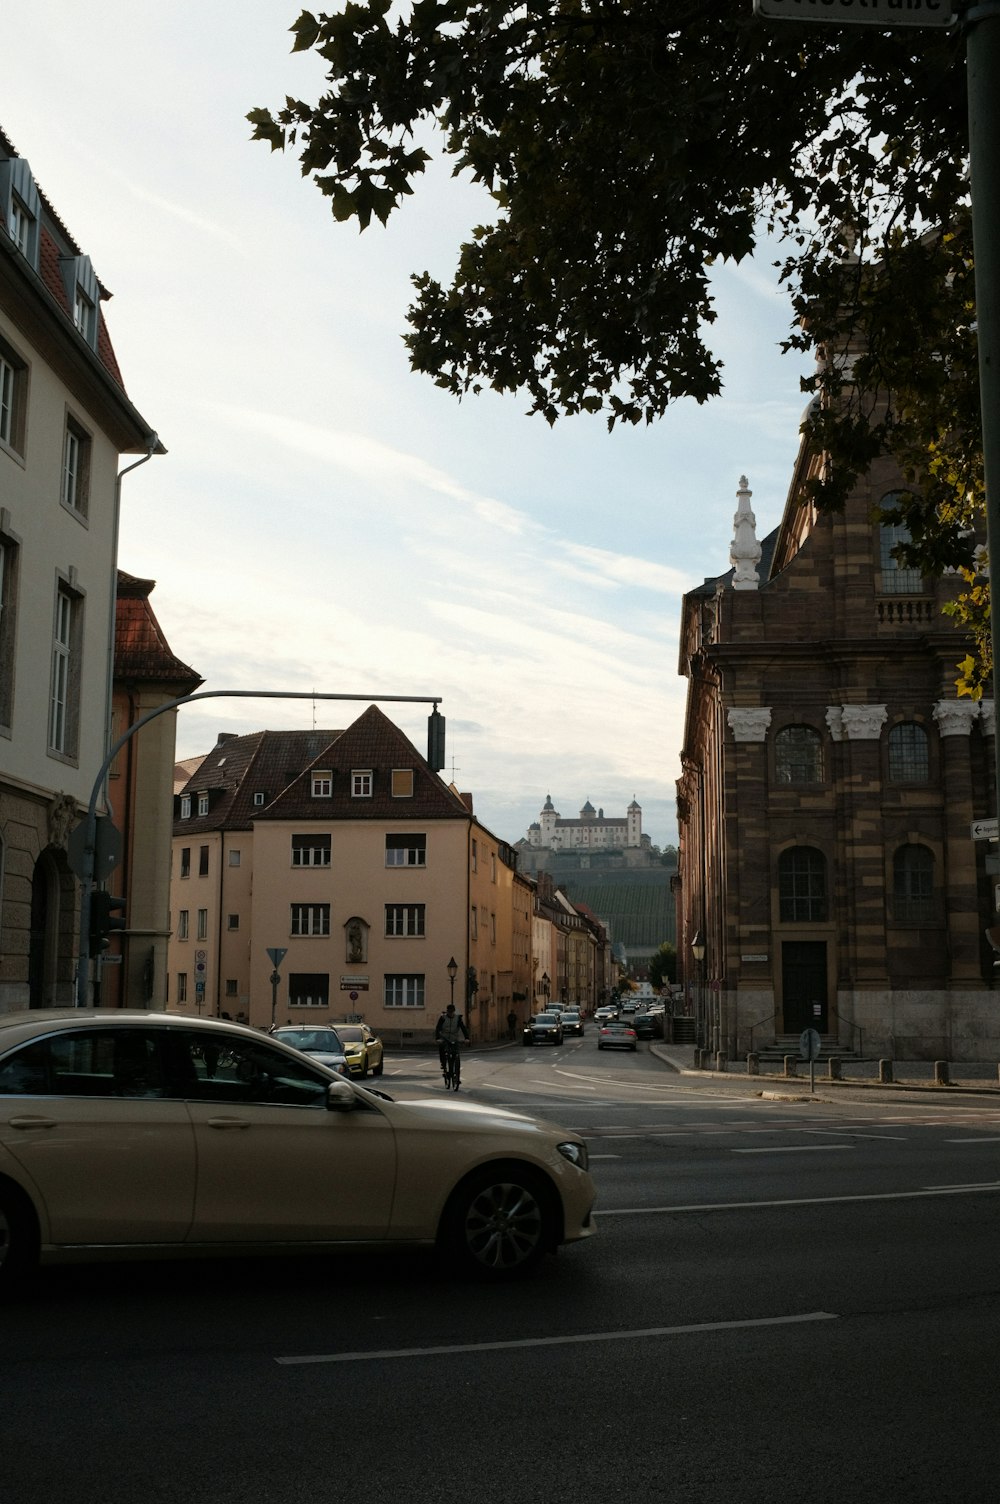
(450,1028)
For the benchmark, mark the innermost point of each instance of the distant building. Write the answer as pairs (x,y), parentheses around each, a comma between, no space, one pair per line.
(345,852)
(591,831)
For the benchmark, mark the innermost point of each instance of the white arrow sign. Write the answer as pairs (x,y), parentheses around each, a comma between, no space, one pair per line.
(984,830)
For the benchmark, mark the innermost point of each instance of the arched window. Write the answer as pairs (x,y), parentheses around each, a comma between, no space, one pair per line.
(798,755)
(913,885)
(896,578)
(802,885)
(909,754)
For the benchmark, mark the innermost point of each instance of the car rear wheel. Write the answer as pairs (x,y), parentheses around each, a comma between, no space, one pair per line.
(500,1222)
(377,1069)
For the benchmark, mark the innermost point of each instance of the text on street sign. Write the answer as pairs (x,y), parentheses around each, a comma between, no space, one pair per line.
(881,13)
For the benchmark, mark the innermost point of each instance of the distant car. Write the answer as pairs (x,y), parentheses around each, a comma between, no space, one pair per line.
(617,1036)
(572,1021)
(362,1047)
(130,1133)
(544,1028)
(628,1008)
(609,1010)
(323,1044)
(648,1025)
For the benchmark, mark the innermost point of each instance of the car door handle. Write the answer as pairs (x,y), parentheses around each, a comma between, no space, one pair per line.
(228,1123)
(32,1122)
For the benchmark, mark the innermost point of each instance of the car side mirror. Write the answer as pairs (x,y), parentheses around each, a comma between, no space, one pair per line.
(340,1097)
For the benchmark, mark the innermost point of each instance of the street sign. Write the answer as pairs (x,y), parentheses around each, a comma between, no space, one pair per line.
(810,1044)
(276,955)
(882,13)
(985,830)
(107,848)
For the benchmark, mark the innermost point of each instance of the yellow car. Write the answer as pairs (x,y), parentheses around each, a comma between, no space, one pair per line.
(362,1047)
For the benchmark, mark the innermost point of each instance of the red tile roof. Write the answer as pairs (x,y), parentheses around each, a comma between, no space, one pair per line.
(141,649)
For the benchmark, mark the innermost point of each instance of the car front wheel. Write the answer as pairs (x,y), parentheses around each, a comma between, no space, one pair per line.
(377,1069)
(500,1222)
(18,1235)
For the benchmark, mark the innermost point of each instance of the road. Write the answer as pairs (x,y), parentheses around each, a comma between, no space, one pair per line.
(787,1300)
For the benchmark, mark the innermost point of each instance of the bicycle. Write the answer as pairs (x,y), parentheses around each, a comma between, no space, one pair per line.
(451,1064)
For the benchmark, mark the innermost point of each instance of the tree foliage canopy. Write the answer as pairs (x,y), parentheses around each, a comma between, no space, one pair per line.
(628,146)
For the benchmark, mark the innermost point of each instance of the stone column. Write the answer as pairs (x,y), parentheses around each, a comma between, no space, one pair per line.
(749,865)
(958,880)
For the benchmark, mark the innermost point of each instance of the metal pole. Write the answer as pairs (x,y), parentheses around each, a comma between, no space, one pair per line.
(982,53)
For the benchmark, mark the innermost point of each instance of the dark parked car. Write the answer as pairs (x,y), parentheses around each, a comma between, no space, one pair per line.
(648,1025)
(572,1021)
(545,1028)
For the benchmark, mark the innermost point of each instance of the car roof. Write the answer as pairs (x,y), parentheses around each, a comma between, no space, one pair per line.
(31,1023)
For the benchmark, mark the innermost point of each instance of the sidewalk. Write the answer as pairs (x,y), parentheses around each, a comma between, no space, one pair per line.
(967,1078)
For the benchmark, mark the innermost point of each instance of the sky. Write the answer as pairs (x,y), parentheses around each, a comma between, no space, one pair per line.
(325,519)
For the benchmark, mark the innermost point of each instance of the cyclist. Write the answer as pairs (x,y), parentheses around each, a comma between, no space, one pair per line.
(450,1028)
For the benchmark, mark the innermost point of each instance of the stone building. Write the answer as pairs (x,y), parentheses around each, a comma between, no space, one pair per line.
(830,782)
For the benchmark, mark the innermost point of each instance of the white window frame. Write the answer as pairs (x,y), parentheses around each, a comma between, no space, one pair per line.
(403,990)
(185,806)
(322,783)
(203,804)
(414,855)
(405,920)
(402,783)
(309,920)
(64,688)
(75,485)
(362,781)
(183,922)
(314,851)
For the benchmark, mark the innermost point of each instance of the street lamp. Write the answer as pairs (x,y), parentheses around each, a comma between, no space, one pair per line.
(698,948)
(452,969)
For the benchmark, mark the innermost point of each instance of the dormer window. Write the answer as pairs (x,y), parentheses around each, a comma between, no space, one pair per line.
(259,799)
(402,783)
(361,783)
(84,315)
(22,227)
(82,294)
(322,784)
(185,806)
(203,804)
(21,205)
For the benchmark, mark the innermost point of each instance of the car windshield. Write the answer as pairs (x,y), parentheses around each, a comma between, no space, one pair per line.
(547,1018)
(327,1040)
(571,1016)
(350,1033)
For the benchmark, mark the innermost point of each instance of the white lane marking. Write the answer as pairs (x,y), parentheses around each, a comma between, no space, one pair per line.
(744,1206)
(794,1149)
(605,1156)
(896,1138)
(581,1338)
(972,1139)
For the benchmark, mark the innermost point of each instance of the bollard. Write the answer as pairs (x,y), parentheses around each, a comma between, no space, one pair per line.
(721,1061)
(833,1068)
(698,1063)
(753,1065)
(791,1061)
(940,1073)
(884,1072)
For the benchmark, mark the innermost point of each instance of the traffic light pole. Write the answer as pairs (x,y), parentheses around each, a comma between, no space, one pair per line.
(435,748)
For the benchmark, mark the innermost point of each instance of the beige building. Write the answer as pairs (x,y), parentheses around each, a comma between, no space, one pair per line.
(348,857)
(65,420)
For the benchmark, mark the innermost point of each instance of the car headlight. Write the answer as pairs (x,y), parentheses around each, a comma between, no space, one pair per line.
(575,1153)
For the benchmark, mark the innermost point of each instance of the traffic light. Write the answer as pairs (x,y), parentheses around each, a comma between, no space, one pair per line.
(105,919)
